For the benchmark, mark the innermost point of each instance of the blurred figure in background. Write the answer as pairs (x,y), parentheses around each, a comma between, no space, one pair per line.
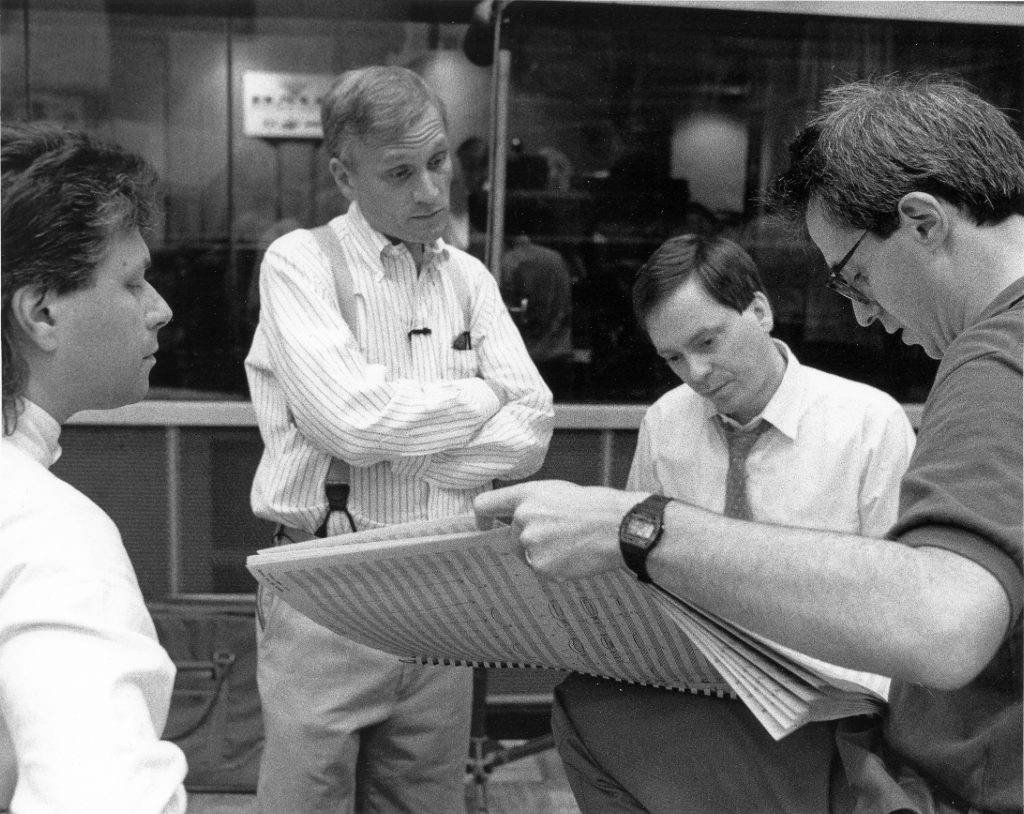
(536,284)
(473,157)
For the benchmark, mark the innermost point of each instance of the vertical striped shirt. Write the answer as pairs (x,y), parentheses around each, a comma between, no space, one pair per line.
(424,425)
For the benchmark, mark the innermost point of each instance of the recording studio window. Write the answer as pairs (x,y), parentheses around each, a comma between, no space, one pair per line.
(627,124)
(633,124)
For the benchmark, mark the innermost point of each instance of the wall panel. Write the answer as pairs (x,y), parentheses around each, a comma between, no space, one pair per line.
(124,470)
(192,484)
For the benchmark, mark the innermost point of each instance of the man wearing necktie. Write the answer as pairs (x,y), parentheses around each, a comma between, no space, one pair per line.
(753,434)
(912,188)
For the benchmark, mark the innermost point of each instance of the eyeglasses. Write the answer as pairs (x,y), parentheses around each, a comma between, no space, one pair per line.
(837,282)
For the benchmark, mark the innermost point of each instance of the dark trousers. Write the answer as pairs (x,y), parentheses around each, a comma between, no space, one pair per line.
(638,749)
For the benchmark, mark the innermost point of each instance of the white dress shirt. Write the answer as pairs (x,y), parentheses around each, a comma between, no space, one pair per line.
(832,459)
(419,421)
(84,684)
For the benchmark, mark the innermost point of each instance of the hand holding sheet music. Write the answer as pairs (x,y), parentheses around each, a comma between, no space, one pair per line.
(445,592)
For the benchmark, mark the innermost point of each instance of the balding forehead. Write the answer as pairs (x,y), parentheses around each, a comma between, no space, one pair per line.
(421,133)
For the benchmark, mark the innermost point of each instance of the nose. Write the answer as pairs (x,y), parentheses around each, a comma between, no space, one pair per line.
(698,369)
(159,311)
(865,314)
(429,187)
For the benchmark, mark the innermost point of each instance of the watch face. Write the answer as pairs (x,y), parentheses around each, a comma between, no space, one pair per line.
(641,529)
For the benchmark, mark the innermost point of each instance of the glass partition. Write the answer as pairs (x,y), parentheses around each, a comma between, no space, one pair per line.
(651,122)
(628,123)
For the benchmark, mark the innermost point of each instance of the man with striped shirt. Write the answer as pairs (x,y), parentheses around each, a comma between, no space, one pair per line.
(428,394)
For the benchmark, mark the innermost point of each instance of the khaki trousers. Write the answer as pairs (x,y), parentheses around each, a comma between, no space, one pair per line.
(351,729)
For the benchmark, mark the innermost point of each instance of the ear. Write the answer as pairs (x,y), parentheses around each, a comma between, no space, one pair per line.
(761,310)
(31,310)
(925,217)
(342,175)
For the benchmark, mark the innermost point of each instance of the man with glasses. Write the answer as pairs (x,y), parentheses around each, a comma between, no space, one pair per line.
(916,189)
(838,283)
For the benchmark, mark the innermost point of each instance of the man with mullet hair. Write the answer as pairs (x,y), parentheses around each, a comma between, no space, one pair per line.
(84,684)
(913,190)
(382,347)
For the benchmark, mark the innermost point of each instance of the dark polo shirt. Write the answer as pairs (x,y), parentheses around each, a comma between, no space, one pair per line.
(963,492)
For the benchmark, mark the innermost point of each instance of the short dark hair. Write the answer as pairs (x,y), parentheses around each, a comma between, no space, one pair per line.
(375,102)
(725,270)
(875,141)
(474,155)
(64,195)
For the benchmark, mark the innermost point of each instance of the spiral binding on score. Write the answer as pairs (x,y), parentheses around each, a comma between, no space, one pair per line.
(509,665)
(514,665)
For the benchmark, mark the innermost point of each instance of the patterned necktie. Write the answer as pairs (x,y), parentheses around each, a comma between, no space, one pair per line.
(740,443)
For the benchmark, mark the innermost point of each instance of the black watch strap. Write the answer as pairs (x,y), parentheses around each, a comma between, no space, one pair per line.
(640,531)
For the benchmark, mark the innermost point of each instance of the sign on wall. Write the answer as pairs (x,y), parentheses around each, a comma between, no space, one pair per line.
(283,105)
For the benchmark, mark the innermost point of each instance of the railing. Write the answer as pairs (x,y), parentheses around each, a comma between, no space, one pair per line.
(610,422)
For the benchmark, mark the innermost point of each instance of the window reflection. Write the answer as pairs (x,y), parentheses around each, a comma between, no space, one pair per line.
(629,124)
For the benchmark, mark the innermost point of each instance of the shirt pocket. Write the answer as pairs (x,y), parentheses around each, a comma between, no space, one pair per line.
(463,364)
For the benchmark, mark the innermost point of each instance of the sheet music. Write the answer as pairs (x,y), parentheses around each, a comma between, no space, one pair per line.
(445,592)
(469,597)
(781,693)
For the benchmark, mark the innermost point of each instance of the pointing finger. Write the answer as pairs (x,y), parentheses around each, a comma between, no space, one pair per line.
(502,502)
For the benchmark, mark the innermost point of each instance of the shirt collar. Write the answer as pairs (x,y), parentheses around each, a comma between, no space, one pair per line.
(383,247)
(37,434)
(1006,298)
(783,409)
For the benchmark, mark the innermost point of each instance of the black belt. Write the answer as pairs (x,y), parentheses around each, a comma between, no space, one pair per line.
(287,534)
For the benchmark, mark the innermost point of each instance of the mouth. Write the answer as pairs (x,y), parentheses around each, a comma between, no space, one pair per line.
(431,215)
(889,322)
(912,339)
(714,391)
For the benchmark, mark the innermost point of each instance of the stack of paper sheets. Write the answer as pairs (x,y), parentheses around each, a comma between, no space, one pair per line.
(445,592)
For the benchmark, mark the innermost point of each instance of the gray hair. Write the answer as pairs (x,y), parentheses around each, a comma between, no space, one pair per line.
(875,141)
(378,102)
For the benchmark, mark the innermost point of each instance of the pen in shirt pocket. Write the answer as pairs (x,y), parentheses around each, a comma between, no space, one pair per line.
(463,341)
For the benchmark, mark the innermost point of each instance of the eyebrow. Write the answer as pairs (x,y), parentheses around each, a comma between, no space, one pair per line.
(703,333)
(706,333)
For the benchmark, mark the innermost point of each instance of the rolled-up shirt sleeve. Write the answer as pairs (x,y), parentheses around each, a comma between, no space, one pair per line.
(513,442)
